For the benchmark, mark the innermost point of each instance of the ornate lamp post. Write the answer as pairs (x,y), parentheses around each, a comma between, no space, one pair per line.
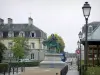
(80,37)
(86,12)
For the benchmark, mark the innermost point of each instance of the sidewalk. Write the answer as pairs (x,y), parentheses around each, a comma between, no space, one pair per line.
(73,72)
(40,71)
(73,69)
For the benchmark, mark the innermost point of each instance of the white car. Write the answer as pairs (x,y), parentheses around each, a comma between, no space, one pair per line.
(24,60)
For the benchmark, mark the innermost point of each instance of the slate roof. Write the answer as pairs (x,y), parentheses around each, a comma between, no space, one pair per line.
(18,27)
(22,27)
(93,24)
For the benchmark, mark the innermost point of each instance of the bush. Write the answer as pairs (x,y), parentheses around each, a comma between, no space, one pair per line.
(24,64)
(3,67)
(93,71)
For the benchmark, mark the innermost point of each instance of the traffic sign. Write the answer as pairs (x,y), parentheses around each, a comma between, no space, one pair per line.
(78,51)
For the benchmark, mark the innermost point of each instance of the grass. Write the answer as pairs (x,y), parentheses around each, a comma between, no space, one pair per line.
(93,71)
(82,62)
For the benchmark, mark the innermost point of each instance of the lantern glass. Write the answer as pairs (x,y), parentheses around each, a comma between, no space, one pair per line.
(80,35)
(86,10)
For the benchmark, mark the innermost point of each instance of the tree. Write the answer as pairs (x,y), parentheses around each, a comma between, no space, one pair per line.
(2,48)
(20,47)
(59,41)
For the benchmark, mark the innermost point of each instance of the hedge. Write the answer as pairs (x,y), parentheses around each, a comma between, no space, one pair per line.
(24,64)
(4,66)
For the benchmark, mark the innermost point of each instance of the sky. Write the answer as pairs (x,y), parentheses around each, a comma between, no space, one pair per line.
(64,17)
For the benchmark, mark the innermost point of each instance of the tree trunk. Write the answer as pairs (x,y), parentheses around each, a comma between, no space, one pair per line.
(0,60)
(1,57)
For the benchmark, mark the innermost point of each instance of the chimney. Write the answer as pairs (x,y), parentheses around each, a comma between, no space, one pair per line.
(30,20)
(1,21)
(10,21)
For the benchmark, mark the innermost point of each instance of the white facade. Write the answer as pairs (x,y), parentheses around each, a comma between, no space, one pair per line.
(35,37)
(37,51)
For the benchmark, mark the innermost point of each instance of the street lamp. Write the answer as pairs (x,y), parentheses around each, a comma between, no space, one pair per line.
(86,12)
(80,37)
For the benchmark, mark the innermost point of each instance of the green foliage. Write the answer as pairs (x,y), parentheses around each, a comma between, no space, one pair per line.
(20,47)
(93,71)
(60,42)
(2,48)
(3,67)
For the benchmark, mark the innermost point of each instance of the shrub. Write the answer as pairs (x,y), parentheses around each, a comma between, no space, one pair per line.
(3,67)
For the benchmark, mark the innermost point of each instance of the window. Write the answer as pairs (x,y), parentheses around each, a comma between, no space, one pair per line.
(10,34)
(32,45)
(32,56)
(9,45)
(32,34)
(1,34)
(22,34)
(5,34)
(16,33)
(90,29)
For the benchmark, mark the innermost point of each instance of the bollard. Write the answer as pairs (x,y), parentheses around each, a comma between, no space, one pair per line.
(4,70)
(21,69)
(13,70)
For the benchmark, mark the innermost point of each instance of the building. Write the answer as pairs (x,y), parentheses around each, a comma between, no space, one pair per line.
(35,35)
(93,40)
(71,55)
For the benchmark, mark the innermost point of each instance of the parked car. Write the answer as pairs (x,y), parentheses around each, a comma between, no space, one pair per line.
(24,60)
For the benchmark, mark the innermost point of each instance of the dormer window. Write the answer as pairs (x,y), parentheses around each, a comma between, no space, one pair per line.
(1,34)
(32,34)
(90,29)
(22,34)
(10,34)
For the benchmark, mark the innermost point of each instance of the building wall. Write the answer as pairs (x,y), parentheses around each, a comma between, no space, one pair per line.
(38,50)
(38,55)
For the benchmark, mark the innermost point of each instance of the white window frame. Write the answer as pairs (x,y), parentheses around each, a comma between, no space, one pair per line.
(20,34)
(90,28)
(31,33)
(32,45)
(10,34)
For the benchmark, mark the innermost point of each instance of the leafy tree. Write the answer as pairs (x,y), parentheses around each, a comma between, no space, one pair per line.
(59,41)
(2,48)
(20,47)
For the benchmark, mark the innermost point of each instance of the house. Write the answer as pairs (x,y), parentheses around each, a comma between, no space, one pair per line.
(93,40)
(35,35)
